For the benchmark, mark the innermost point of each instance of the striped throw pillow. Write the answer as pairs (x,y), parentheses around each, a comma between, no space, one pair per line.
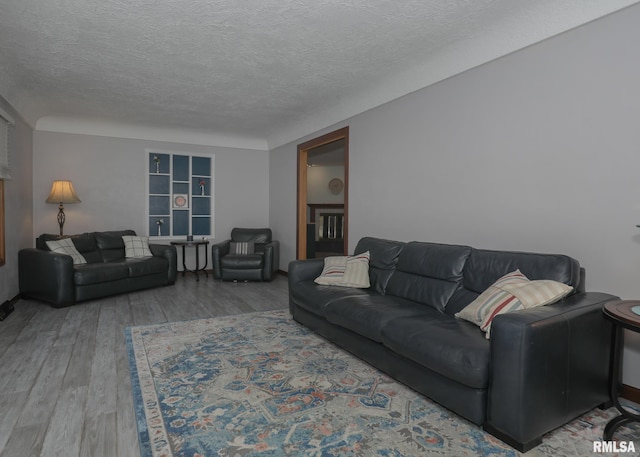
(333,271)
(511,292)
(346,271)
(242,247)
(491,299)
(66,246)
(539,293)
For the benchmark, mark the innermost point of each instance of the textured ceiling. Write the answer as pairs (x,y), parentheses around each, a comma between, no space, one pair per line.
(272,70)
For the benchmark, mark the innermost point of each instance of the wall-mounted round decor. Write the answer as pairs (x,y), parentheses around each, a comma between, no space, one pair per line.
(180,201)
(336,185)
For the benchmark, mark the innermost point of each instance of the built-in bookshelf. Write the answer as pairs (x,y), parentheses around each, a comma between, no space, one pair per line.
(180,194)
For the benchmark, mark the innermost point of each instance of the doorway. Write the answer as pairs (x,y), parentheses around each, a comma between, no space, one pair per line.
(323,203)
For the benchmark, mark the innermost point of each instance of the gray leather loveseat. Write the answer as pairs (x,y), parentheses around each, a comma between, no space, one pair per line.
(541,368)
(53,277)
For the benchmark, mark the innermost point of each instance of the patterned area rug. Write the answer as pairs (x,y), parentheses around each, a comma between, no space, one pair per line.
(262,385)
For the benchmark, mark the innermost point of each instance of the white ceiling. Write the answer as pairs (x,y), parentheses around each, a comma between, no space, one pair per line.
(264,71)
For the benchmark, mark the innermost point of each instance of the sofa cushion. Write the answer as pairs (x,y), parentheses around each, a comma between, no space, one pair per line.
(94,273)
(451,347)
(366,315)
(484,267)
(143,266)
(85,243)
(111,244)
(315,298)
(428,273)
(257,235)
(242,261)
(66,246)
(383,257)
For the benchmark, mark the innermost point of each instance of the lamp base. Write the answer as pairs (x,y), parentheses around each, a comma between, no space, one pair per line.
(61,217)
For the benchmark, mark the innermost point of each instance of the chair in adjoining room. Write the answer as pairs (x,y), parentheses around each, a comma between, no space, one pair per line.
(250,254)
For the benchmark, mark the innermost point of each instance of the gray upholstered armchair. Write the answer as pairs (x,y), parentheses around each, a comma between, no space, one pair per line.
(250,254)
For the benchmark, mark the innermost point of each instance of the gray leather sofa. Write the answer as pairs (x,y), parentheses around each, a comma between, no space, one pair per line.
(541,368)
(53,278)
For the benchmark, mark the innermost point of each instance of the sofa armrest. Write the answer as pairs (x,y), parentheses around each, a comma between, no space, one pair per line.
(217,251)
(271,260)
(305,270)
(300,271)
(168,252)
(47,276)
(548,366)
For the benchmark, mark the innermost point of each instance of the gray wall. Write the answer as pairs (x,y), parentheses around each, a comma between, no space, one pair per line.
(18,195)
(536,151)
(109,177)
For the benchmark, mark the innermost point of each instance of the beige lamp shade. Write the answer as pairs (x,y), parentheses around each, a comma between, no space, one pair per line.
(62,192)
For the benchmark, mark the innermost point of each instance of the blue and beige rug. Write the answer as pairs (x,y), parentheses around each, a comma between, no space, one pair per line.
(262,385)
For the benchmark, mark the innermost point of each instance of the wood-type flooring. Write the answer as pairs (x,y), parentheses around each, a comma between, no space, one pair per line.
(65,389)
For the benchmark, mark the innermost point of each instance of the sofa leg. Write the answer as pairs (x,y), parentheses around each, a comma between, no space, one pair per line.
(517,445)
(606,405)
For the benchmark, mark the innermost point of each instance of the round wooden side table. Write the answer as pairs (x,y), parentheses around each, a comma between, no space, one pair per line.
(196,244)
(624,314)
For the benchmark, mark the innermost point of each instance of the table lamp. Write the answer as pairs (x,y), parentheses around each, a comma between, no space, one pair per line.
(62,192)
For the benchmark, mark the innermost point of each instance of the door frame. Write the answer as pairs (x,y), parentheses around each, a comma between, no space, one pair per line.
(301,218)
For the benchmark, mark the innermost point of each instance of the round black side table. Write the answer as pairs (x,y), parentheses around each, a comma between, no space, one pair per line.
(196,244)
(624,314)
